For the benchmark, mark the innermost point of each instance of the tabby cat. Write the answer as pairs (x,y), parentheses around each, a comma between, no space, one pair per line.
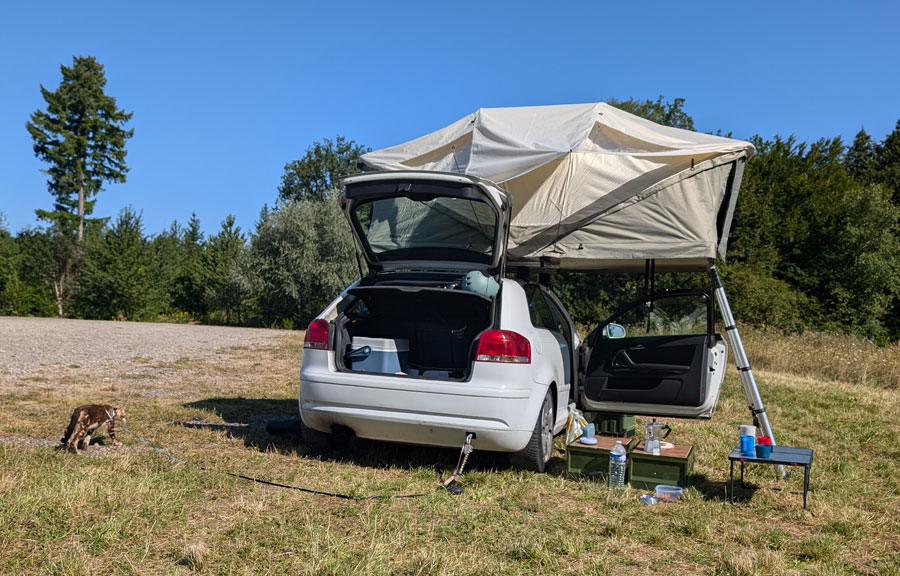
(86,419)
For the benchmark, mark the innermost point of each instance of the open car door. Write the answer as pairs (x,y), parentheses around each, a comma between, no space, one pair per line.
(658,356)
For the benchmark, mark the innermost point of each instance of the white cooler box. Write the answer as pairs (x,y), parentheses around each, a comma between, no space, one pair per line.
(385,355)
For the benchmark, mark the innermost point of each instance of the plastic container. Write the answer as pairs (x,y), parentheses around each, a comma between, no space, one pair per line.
(589,430)
(618,462)
(649,499)
(385,355)
(747,445)
(763,450)
(667,493)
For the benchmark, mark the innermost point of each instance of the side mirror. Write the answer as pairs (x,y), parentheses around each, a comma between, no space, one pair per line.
(613,331)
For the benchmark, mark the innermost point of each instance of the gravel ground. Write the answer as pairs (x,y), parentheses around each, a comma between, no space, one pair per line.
(46,351)
(49,365)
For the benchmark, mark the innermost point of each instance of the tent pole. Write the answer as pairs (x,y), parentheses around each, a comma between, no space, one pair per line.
(754,401)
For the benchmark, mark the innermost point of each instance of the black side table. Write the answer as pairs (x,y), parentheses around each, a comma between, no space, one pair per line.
(781,455)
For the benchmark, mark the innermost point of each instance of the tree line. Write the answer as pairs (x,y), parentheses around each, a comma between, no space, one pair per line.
(815,242)
(299,257)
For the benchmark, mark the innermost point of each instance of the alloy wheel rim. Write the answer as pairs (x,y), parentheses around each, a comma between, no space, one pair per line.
(547,429)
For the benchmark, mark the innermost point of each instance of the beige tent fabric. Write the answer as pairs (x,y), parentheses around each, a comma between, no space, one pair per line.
(590,182)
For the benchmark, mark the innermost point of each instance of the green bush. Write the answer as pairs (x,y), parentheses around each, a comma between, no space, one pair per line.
(300,258)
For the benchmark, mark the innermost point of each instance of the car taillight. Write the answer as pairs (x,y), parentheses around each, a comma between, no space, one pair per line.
(503,346)
(317,335)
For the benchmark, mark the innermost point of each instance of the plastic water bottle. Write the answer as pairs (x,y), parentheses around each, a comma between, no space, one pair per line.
(617,459)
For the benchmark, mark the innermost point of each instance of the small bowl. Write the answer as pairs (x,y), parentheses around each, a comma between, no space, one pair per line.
(668,493)
(763,450)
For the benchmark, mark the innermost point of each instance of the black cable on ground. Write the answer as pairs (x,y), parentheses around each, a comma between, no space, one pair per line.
(278,484)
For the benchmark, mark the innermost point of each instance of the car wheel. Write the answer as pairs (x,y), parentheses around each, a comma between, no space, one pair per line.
(318,442)
(537,452)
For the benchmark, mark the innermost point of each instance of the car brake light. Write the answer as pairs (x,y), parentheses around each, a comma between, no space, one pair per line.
(317,335)
(503,346)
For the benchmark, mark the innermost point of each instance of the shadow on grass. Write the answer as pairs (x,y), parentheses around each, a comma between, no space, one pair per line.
(247,419)
(248,411)
(720,490)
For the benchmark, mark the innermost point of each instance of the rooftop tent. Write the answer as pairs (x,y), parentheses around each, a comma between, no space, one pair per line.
(592,186)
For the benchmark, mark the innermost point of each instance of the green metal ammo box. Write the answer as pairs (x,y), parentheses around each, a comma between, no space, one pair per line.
(593,460)
(672,467)
(615,424)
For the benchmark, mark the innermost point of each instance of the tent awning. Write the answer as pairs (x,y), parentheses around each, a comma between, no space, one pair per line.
(590,182)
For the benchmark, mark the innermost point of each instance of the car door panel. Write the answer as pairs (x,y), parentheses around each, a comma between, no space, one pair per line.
(668,364)
(652,370)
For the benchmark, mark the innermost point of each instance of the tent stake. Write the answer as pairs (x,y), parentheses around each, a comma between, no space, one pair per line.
(751,391)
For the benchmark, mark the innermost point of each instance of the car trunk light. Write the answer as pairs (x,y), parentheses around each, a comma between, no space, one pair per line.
(503,346)
(317,335)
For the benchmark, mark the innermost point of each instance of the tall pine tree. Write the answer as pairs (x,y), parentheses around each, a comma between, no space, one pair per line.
(81,135)
(888,162)
(860,158)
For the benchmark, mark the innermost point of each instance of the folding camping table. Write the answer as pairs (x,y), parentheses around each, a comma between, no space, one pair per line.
(781,455)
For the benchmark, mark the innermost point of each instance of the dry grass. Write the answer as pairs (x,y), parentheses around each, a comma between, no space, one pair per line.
(132,511)
(825,355)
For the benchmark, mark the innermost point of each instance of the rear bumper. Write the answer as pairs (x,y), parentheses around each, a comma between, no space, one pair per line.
(499,404)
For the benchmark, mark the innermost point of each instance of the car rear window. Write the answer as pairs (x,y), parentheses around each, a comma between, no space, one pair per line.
(400,225)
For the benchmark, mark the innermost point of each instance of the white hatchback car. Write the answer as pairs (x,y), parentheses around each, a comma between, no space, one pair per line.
(436,342)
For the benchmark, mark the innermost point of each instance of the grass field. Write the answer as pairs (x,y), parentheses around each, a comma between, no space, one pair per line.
(132,511)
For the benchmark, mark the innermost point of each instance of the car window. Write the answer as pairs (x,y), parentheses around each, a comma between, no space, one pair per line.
(559,319)
(400,224)
(545,305)
(541,317)
(681,315)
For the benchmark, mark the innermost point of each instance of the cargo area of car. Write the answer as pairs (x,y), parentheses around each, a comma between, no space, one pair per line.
(421,331)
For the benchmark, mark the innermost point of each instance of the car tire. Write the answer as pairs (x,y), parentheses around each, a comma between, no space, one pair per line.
(317,442)
(536,454)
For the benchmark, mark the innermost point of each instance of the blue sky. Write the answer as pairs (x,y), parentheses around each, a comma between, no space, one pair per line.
(225,93)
